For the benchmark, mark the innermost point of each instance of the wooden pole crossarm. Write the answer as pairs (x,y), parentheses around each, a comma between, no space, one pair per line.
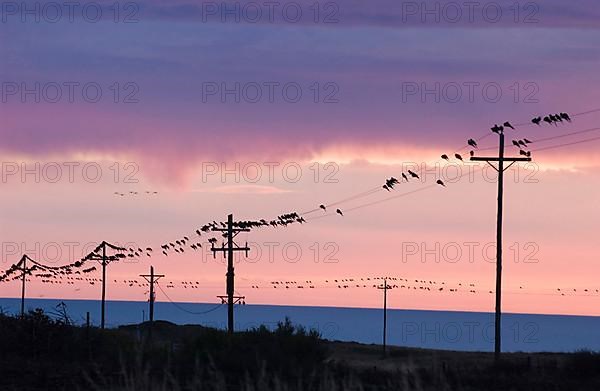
(497,159)
(235,230)
(233,249)
(512,161)
(237,299)
(156,276)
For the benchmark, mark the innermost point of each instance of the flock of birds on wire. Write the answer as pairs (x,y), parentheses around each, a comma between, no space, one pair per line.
(135,193)
(61,274)
(408,284)
(522,144)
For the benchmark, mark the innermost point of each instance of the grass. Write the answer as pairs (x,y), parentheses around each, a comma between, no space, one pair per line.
(39,353)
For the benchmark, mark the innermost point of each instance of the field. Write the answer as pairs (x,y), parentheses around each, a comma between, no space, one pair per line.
(39,353)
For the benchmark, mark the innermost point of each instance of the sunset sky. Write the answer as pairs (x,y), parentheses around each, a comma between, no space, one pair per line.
(328,104)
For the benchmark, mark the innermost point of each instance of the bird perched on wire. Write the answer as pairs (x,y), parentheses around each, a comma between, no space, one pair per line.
(440,182)
(389,183)
(413,174)
(565,116)
(472,143)
(339,212)
(497,129)
(404,177)
(516,143)
(445,157)
(527,141)
(323,207)
(456,155)
(525,153)
(509,125)
(537,120)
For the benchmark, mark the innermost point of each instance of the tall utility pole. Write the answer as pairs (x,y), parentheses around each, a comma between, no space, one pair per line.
(230,248)
(385,288)
(104,260)
(104,263)
(23,264)
(152,278)
(500,169)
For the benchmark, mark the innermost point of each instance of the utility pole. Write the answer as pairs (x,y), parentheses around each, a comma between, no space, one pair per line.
(152,278)
(104,260)
(500,169)
(385,288)
(103,284)
(229,249)
(23,263)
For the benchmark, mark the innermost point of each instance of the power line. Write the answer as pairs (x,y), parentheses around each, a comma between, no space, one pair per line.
(559,136)
(566,144)
(430,186)
(480,138)
(540,140)
(185,310)
(587,112)
(476,170)
(351,198)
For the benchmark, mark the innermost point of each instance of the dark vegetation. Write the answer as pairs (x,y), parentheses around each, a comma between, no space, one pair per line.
(41,353)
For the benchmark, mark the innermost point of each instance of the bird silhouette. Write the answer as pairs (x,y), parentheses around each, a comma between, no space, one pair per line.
(524,153)
(456,155)
(472,143)
(537,120)
(497,129)
(565,116)
(339,212)
(386,187)
(323,207)
(404,177)
(548,120)
(445,157)
(413,174)
(516,143)
(509,125)
(390,183)
(440,182)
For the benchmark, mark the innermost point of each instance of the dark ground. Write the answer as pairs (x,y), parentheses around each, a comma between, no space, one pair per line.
(39,353)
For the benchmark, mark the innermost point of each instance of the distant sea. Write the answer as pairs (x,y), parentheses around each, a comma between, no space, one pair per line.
(450,330)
